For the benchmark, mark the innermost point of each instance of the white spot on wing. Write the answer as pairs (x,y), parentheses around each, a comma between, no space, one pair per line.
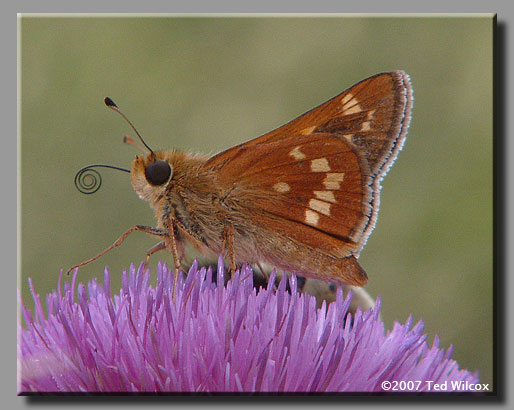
(332,185)
(281,187)
(348,97)
(350,104)
(332,180)
(308,130)
(353,109)
(311,217)
(320,165)
(327,196)
(320,206)
(297,154)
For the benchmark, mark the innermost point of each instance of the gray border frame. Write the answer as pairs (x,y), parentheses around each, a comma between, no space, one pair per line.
(504,197)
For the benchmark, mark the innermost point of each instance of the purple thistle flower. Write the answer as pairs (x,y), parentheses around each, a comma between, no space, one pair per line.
(216,338)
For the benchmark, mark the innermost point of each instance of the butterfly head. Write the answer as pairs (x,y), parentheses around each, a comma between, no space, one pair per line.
(150,174)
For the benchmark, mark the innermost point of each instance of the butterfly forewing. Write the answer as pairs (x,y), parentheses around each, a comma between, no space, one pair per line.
(374,114)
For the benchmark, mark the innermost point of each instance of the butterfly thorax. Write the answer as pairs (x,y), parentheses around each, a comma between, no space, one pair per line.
(191,197)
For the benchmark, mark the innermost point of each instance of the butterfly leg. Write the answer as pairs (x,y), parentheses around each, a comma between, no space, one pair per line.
(266,278)
(156,248)
(171,244)
(148,229)
(228,247)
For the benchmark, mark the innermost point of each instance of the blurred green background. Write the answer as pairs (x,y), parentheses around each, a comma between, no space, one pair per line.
(205,84)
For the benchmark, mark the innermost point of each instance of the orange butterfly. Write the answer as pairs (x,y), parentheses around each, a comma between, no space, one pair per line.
(303,198)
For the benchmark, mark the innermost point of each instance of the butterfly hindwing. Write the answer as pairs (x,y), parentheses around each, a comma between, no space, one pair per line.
(311,188)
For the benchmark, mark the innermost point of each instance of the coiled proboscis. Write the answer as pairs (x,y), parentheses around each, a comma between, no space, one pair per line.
(89,180)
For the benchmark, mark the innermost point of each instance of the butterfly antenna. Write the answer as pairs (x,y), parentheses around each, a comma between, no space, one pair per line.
(112,105)
(129,141)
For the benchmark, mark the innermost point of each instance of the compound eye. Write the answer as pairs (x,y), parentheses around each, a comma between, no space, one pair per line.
(158,172)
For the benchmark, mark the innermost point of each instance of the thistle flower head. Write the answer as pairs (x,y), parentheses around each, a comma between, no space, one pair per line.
(216,338)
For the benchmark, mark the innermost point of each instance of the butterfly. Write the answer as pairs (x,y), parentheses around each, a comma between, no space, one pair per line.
(303,198)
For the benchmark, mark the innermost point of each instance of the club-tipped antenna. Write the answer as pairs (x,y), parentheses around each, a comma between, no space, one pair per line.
(112,105)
